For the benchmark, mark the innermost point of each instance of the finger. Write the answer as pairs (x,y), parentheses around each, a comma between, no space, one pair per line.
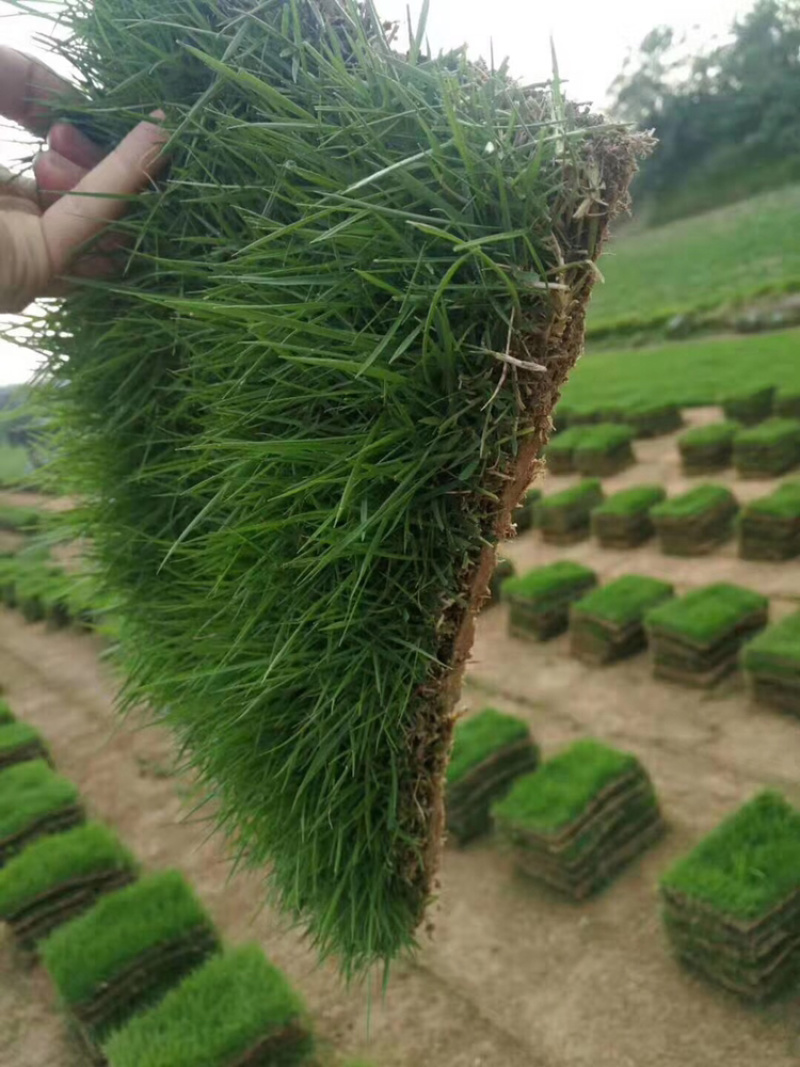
(55,175)
(75,146)
(98,199)
(26,87)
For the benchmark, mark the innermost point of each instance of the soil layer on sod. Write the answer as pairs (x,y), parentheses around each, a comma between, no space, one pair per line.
(20,742)
(623,520)
(539,600)
(787,404)
(732,906)
(523,516)
(769,528)
(772,447)
(34,801)
(771,662)
(128,951)
(60,876)
(749,406)
(694,523)
(490,750)
(653,419)
(706,449)
(565,518)
(604,450)
(696,639)
(580,818)
(503,570)
(608,623)
(237,1010)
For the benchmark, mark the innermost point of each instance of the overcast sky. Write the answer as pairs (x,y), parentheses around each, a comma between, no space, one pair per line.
(591,38)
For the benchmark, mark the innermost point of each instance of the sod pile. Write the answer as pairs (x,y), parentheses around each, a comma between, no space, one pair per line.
(608,623)
(653,418)
(694,523)
(565,517)
(696,639)
(20,742)
(560,452)
(523,515)
(772,447)
(771,662)
(580,818)
(604,450)
(623,520)
(732,906)
(60,876)
(490,750)
(787,403)
(539,600)
(362,283)
(128,951)
(6,714)
(237,1010)
(34,801)
(769,528)
(705,449)
(503,570)
(749,406)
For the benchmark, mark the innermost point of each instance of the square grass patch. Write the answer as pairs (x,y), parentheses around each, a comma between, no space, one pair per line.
(695,522)
(18,742)
(608,623)
(705,449)
(623,519)
(564,517)
(34,800)
(772,665)
(539,600)
(6,714)
(604,450)
(749,405)
(769,528)
(650,418)
(560,452)
(787,403)
(772,447)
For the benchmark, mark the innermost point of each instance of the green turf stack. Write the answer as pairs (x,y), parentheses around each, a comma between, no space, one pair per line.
(787,403)
(523,516)
(539,600)
(504,569)
(490,751)
(604,450)
(771,662)
(608,623)
(34,801)
(237,1010)
(565,518)
(129,950)
(749,406)
(769,528)
(705,449)
(653,418)
(580,818)
(60,876)
(772,447)
(732,906)
(570,415)
(694,523)
(560,452)
(6,714)
(20,742)
(623,520)
(696,639)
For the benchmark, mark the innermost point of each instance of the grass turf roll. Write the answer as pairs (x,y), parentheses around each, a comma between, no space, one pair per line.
(787,403)
(652,418)
(705,449)
(560,452)
(565,517)
(771,662)
(608,623)
(539,600)
(623,520)
(694,523)
(604,450)
(769,528)
(19,742)
(772,447)
(34,801)
(749,406)
(300,422)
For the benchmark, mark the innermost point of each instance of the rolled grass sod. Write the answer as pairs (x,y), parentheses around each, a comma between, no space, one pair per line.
(623,520)
(604,450)
(749,406)
(696,522)
(129,950)
(523,515)
(769,528)
(237,1010)
(59,877)
(504,569)
(539,600)
(34,801)
(706,449)
(326,397)
(732,906)
(787,403)
(20,742)
(653,418)
(696,639)
(580,818)
(490,750)
(771,663)
(772,447)
(565,518)
(608,623)
(560,452)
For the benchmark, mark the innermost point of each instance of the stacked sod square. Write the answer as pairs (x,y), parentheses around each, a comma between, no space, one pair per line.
(772,447)
(787,403)
(604,450)
(694,523)
(34,801)
(560,453)
(749,406)
(128,951)
(623,520)
(539,600)
(696,639)
(705,449)
(20,742)
(580,818)
(732,906)
(565,518)
(490,750)
(608,623)
(59,877)
(523,516)
(503,570)
(6,714)
(236,1010)
(651,418)
(772,665)
(769,528)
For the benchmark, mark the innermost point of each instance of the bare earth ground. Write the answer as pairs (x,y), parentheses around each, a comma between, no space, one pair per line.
(515,977)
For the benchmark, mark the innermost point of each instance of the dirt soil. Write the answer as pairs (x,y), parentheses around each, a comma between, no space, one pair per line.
(514,976)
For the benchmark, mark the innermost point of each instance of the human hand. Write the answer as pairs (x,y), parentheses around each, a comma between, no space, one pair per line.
(45,223)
